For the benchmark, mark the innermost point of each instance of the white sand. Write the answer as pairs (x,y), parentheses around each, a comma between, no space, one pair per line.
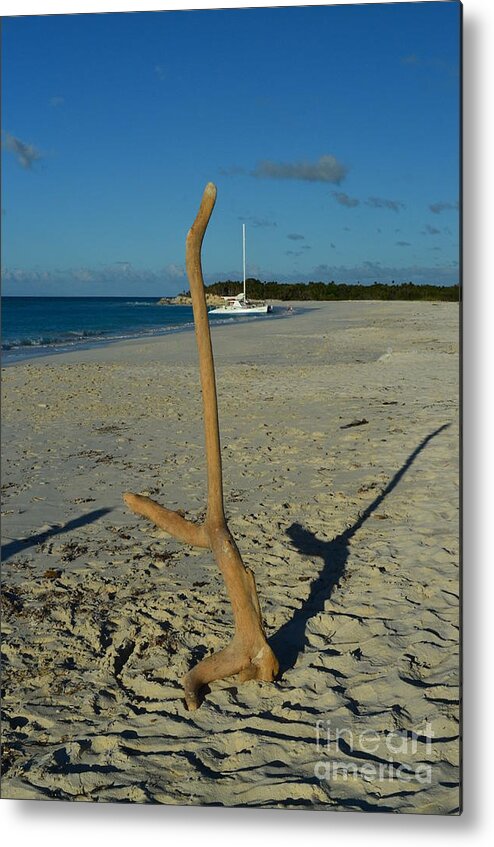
(352,534)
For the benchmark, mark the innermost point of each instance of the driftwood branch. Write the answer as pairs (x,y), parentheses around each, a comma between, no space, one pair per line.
(248,653)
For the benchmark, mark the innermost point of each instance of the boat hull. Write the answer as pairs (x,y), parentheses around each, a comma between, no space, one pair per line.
(241,312)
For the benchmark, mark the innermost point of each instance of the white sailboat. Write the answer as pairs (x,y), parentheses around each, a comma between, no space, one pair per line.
(239,305)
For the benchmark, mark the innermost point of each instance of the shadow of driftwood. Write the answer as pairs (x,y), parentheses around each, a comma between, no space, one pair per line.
(289,641)
(22,544)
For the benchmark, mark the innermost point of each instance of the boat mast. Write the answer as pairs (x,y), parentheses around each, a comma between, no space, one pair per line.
(243,245)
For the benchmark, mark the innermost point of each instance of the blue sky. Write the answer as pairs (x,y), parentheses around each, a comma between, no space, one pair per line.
(332,132)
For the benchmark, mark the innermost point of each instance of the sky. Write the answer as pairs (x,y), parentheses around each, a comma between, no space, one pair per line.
(332,132)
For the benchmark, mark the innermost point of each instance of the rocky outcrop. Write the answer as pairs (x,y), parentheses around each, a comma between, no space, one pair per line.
(185,300)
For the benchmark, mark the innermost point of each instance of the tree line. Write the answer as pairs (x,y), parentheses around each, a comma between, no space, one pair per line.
(257,290)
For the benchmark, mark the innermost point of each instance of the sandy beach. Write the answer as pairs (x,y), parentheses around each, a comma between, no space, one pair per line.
(339,427)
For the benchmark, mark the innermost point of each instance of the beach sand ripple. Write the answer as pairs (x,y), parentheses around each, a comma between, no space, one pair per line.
(352,532)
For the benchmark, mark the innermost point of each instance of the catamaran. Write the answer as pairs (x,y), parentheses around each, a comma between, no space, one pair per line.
(239,305)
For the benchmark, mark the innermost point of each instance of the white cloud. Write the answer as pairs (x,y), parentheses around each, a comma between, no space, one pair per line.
(369,271)
(120,277)
(174,271)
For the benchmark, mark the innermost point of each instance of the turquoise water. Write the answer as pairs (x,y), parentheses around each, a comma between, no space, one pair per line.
(34,326)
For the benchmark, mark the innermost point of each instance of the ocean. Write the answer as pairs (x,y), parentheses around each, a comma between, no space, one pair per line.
(34,326)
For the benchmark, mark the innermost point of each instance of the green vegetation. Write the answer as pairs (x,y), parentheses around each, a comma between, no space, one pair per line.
(258,290)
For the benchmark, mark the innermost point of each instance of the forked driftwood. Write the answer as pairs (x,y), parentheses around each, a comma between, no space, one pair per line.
(248,653)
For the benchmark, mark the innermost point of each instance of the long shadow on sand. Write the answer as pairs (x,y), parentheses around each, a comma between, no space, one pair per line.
(289,641)
(22,544)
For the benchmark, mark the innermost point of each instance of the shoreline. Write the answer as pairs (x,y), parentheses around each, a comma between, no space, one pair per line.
(36,352)
(339,433)
(299,306)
